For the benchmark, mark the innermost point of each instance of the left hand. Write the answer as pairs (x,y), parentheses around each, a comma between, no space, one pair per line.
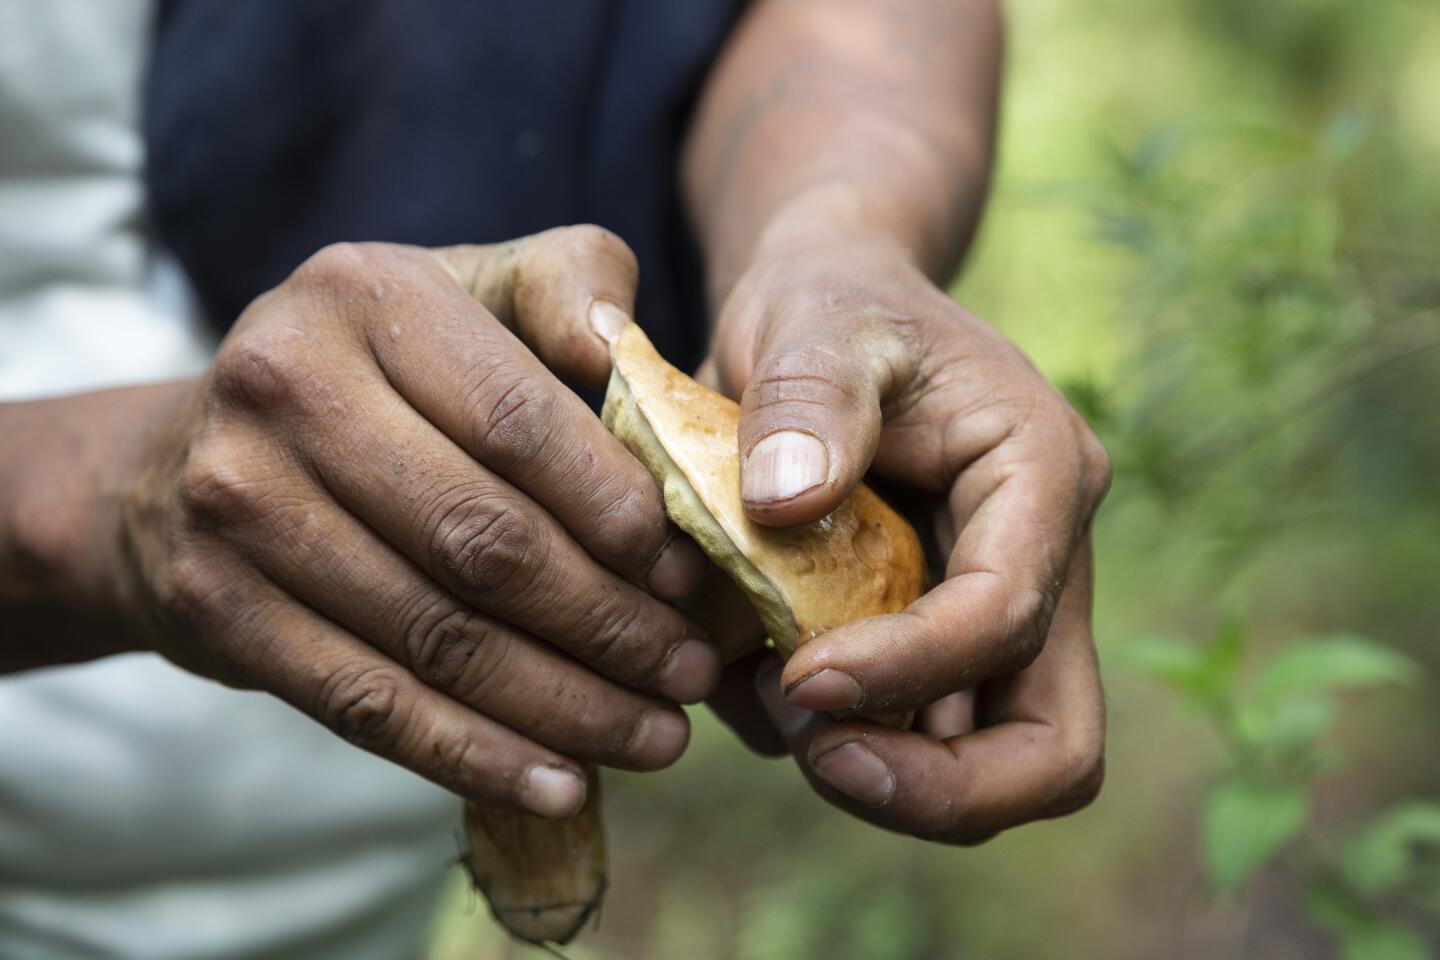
(849,360)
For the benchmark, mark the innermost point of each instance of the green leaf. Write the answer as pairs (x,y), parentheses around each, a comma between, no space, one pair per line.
(1173,662)
(1332,663)
(1425,893)
(1246,824)
(1227,649)
(1381,856)
(1363,934)
(1384,941)
(1205,674)
(1288,725)
(1185,668)
(884,924)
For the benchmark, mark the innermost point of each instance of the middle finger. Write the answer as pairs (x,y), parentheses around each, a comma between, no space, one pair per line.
(321,555)
(491,546)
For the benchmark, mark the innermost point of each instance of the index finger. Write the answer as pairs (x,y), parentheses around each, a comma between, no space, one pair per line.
(566,292)
(1038,752)
(1018,512)
(468,375)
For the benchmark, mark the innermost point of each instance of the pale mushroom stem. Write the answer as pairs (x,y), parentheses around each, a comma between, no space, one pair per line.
(542,878)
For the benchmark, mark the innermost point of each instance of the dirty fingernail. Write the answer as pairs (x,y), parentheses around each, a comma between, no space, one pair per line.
(659,739)
(827,690)
(677,573)
(856,771)
(608,320)
(691,673)
(552,792)
(784,465)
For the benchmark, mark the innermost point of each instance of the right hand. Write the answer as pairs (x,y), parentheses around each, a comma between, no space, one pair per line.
(381,506)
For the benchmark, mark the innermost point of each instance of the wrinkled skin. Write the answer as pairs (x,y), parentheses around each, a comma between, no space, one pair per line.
(850,343)
(380,505)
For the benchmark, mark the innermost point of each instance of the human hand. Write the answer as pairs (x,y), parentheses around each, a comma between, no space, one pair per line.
(848,360)
(381,506)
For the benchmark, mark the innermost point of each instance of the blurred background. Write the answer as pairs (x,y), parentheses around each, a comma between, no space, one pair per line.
(1216,223)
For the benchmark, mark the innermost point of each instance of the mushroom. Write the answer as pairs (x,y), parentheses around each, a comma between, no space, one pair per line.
(543,878)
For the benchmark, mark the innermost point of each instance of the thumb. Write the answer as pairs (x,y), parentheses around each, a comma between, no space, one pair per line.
(566,292)
(809,422)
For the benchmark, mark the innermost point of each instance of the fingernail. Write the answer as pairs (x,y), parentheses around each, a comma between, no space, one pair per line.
(827,690)
(676,574)
(659,739)
(784,465)
(691,672)
(553,792)
(608,319)
(856,771)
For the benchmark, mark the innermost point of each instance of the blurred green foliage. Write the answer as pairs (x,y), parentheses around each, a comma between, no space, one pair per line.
(1258,809)
(1216,223)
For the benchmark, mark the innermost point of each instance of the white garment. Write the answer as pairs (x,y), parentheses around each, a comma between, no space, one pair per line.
(145,812)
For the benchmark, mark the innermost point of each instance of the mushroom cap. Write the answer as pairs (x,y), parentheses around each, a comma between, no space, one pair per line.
(860,560)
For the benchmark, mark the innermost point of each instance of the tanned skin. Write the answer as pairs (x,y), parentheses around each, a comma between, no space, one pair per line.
(835,174)
(381,505)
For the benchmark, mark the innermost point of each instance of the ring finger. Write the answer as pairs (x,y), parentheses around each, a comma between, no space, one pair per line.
(323,556)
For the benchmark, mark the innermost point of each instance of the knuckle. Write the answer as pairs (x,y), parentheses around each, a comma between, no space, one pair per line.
(586,240)
(514,428)
(440,644)
(490,654)
(265,369)
(610,643)
(1084,775)
(215,490)
(628,526)
(1028,619)
(192,590)
(809,377)
(1087,788)
(342,267)
(450,758)
(362,705)
(489,546)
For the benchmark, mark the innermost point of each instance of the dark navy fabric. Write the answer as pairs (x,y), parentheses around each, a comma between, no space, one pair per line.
(274,127)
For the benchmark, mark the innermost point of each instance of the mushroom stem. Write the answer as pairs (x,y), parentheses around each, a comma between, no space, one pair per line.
(543,878)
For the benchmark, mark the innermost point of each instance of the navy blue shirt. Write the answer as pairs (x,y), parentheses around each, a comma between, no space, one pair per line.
(274,128)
